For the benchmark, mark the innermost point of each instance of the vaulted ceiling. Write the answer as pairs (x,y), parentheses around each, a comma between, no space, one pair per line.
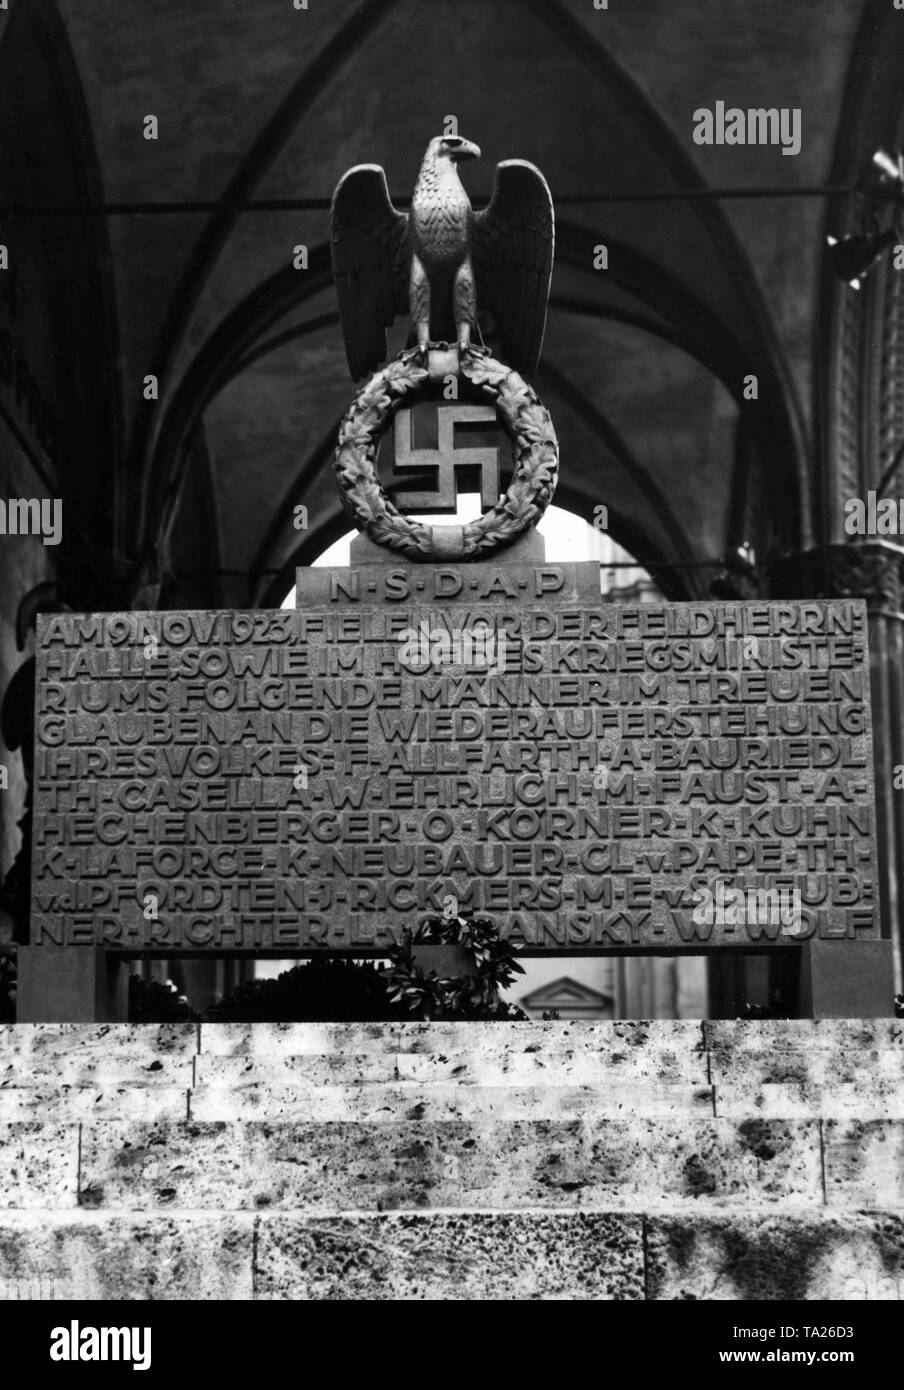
(644,363)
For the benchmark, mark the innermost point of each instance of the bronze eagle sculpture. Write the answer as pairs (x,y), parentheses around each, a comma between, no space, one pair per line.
(440,260)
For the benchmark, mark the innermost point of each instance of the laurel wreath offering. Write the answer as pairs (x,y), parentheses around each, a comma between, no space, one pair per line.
(523,417)
(424,992)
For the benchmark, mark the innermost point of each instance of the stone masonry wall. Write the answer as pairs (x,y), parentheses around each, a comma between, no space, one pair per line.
(666,1160)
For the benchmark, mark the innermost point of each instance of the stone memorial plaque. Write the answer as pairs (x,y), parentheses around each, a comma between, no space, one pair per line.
(584,773)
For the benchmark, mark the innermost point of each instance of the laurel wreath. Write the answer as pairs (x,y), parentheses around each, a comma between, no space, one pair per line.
(462,995)
(523,417)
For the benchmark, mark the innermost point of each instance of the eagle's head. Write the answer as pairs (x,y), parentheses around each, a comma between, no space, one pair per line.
(453,147)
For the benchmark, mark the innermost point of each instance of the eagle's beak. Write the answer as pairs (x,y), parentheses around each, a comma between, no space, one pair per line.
(467,150)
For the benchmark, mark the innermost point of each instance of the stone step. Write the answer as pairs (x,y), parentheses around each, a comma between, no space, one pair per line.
(557,1068)
(304,1071)
(491,1164)
(39,1162)
(390,1101)
(291,1255)
(117,1256)
(179,1039)
(74,1103)
(774,1256)
(854,1035)
(780,1068)
(451,1255)
(796,1083)
(448,1100)
(471,1255)
(699,1253)
(880,1072)
(568,1035)
(864,1162)
(98,1069)
(44,1041)
(816,1069)
(144,1045)
(869,1100)
(88,1054)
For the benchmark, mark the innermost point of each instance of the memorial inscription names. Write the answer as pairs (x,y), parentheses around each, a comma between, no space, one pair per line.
(579,771)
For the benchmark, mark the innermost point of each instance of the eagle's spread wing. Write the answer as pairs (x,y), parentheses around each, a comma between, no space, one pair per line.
(514,240)
(371,256)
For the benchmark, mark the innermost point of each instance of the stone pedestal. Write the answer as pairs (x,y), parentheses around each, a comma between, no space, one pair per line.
(871,570)
(57,984)
(841,979)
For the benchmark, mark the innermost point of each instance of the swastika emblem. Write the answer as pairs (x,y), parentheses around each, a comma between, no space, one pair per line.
(446,458)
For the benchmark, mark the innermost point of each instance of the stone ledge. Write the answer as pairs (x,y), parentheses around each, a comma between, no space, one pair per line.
(630,1066)
(97,1054)
(459,1065)
(844,1034)
(38,1045)
(296,1039)
(66,1103)
(300,1039)
(391,1101)
(37,1041)
(844,1101)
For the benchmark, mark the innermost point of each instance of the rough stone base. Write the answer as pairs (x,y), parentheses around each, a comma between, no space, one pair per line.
(700,1255)
(93,1255)
(704,1255)
(527,1161)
